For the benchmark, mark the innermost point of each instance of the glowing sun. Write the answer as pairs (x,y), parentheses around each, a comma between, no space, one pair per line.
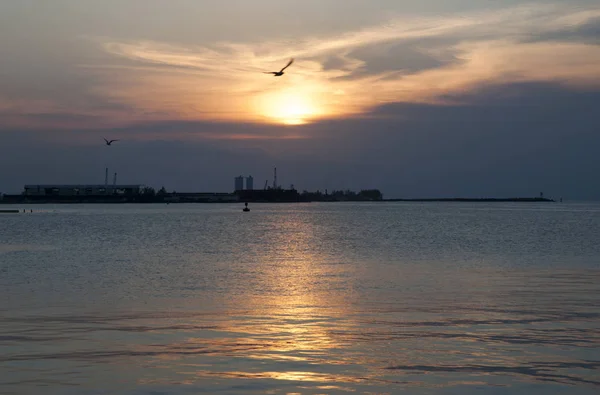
(289,108)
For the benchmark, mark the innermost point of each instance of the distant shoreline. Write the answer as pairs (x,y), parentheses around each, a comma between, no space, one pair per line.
(469,200)
(419,200)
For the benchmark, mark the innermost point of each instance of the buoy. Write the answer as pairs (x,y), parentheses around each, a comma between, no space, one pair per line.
(246,208)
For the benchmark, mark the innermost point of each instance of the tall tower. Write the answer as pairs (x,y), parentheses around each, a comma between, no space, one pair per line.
(275,178)
(239,183)
(249,183)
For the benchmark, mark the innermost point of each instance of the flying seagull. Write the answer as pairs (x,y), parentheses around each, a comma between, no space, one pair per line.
(109,142)
(280,72)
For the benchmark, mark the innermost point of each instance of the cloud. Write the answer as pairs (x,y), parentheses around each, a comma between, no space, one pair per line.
(586,32)
(404,60)
(408,59)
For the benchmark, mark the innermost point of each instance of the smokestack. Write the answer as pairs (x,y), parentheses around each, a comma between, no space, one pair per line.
(275,178)
(105,178)
(114,181)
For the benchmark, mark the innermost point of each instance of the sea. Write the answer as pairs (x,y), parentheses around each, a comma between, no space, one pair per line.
(311,298)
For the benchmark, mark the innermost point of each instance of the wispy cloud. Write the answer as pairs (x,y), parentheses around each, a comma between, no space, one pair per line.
(407,59)
(224,81)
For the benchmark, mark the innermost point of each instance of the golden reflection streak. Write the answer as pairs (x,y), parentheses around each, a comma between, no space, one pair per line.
(289,376)
(295,323)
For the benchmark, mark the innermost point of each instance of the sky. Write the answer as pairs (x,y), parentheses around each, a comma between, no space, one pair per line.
(454,98)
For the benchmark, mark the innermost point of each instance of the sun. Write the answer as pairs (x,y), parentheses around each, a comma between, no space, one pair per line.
(293,110)
(289,107)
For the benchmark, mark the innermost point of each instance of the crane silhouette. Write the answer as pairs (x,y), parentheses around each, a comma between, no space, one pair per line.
(280,72)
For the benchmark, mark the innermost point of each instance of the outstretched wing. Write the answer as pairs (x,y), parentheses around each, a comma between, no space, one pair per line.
(112,141)
(270,72)
(106,140)
(288,65)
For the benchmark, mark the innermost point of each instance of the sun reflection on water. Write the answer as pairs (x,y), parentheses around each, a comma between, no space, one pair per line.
(292,312)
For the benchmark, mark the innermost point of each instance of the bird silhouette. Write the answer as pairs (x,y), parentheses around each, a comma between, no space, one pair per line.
(109,142)
(280,72)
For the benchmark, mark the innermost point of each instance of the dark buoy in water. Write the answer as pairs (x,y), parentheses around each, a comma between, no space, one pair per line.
(246,208)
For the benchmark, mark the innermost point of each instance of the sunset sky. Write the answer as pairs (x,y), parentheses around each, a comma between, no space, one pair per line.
(418,98)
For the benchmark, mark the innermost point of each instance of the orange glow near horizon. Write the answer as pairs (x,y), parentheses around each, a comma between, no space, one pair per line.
(289,107)
(309,92)
(145,81)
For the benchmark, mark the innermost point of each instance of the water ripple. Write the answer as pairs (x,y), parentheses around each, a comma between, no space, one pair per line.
(307,299)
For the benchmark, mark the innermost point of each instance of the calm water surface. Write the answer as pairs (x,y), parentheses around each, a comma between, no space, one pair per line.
(301,299)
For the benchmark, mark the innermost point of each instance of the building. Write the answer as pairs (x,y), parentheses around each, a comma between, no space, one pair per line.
(249,183)
(81,190)
(239,183)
